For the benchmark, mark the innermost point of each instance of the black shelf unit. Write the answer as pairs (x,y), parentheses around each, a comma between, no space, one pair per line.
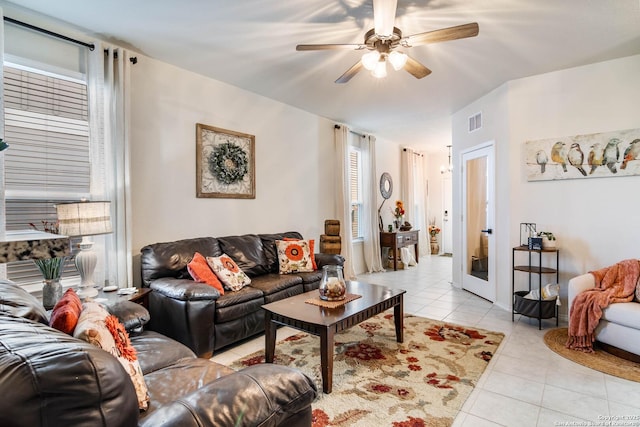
(540,309)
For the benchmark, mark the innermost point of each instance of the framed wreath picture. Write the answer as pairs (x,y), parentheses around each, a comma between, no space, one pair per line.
(225,163)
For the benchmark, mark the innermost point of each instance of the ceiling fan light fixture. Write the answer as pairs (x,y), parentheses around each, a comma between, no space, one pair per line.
(370,60)
(397,60)
(380,71)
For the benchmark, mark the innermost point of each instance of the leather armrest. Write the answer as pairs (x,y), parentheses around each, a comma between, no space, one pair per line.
(133,316)
(328,259)
(184,289)
(262,394)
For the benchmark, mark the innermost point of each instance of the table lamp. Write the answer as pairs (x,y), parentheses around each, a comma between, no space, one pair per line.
(85,219)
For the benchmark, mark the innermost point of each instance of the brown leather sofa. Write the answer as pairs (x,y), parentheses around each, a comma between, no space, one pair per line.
(48,378)
(196,314)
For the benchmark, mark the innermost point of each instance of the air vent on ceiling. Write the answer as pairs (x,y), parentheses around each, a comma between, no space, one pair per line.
(475,122)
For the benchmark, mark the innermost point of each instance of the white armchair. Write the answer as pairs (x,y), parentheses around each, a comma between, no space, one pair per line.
(620,322)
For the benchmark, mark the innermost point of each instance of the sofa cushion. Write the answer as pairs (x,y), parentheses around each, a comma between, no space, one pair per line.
(92,328)
(270,250)
(245,294)
(231,276)
(170,259)
(178,380)
(294,256)
(272,283)
(16,301)
(157,351)
(65,314)
(200,271)
(247,251)
(624,313)
(310,277)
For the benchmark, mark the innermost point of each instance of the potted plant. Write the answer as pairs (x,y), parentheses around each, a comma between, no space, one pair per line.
(548,240)
(51,270)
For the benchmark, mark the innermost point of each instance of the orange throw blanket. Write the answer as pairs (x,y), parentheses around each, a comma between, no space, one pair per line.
(616,283)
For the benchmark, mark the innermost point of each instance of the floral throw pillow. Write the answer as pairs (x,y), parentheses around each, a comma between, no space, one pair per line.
(200,271)
(294,256)
(96,326)
(228,272)
(311,250)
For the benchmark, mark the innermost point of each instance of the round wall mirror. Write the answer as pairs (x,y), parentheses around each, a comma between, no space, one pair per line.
(386,185)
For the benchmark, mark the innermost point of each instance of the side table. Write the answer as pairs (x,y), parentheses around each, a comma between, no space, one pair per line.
(141,297)
(397,240)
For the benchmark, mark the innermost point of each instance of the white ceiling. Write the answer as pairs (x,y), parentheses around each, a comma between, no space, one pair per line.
(251,44)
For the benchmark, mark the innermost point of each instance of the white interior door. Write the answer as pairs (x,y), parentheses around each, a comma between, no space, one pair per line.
(478,204)
(447,234)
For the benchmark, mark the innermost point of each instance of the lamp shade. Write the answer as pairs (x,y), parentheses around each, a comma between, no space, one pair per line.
(84,218)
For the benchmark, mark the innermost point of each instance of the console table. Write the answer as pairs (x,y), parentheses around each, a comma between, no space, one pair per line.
(399,239)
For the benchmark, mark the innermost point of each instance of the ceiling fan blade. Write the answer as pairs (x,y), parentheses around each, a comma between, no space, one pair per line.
(350,73)
(443,35)
(330,46)
(416,69)
(384,16)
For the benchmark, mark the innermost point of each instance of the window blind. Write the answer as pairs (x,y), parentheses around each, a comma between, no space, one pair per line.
(47,128)
(354,186)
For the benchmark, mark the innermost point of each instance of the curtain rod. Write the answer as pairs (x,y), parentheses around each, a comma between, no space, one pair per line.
(91,46)
(413,152)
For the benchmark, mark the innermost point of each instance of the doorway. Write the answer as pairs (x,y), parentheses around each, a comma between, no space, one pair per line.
(447,224)
(478,205)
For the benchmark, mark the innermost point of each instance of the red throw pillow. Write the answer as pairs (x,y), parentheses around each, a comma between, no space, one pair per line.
(311,249)
(66,312)
(202,273)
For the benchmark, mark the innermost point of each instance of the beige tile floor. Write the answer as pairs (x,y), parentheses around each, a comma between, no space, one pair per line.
(525,384)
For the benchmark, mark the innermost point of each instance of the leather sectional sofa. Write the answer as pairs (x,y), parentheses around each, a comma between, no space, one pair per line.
(195,313)
(49,378)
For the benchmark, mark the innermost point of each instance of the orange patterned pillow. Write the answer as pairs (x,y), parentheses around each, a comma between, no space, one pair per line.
(93,327)
(66,312)
(311,249)
(294,256)
(201,272)
(228,272)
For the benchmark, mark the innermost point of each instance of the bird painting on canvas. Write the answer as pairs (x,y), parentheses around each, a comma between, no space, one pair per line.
(611,154)
(631,153)
(595,157)
(576,158)
(559,154)
(542,159)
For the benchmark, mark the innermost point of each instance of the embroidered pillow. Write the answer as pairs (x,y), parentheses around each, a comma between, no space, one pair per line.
(294,256)
(93,328)
(228,272)
(311,250)
(201,272)
(65,314)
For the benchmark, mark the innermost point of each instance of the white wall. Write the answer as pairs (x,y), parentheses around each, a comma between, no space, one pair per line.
(592,218)
(294,157)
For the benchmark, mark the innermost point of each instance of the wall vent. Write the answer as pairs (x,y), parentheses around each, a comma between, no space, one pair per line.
(475,122)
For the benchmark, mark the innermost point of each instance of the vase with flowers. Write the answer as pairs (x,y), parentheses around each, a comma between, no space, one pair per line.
(51,270)
(433,237)
(398,214)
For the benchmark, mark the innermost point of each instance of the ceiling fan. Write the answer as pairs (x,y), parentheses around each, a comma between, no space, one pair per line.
(384,41)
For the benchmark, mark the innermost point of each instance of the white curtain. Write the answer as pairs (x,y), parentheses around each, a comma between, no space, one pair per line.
(371,231)
(109,87)
(414,195)
(343,202)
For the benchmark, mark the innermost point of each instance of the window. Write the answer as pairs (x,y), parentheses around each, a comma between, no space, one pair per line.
(355,187)
(47,128)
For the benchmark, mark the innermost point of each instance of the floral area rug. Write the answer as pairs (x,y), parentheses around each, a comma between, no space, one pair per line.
(379,382)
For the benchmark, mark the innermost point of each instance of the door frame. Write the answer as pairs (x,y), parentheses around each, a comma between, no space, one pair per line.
(485,289)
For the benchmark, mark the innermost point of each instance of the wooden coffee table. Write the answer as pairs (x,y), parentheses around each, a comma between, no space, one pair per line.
(326,322)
